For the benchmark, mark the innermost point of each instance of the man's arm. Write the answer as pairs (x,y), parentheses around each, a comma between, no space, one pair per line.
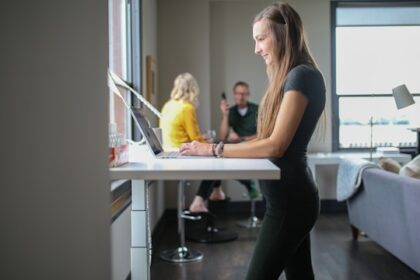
(224,124)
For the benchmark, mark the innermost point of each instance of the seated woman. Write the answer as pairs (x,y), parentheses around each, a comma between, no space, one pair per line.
(179,125)
(179,120)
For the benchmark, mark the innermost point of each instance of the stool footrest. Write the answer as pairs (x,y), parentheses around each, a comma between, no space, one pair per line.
(191,216)
(181,255)
(212,236)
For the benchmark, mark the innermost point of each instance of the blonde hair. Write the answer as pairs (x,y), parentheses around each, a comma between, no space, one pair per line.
(290,49)
(185,89)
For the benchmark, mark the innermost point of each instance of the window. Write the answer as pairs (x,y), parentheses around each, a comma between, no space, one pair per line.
(375,49)
(124,46)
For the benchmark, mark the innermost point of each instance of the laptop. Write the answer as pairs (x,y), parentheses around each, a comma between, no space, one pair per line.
(151,139)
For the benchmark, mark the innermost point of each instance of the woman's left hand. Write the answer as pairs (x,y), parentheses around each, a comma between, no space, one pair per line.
(195,148)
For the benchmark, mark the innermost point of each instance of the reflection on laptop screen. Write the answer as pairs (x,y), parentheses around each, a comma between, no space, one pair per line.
(147,132)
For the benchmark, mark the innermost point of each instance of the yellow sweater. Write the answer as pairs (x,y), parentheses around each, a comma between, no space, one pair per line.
(179,124)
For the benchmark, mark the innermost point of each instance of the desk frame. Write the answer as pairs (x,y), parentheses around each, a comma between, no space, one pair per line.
(177,169)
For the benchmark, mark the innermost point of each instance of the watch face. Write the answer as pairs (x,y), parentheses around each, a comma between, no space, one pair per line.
(220,149)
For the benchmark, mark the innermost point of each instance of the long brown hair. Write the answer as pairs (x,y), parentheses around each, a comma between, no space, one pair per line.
(290,50)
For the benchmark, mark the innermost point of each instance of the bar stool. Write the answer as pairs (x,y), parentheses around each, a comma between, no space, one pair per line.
(252,221)
(210,233)
(182,253)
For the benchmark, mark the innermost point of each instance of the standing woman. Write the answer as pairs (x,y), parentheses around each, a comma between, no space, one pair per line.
(287,118)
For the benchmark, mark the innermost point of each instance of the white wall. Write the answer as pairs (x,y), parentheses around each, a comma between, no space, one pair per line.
(232,53)
(54,195)
(184,46)
(213,40)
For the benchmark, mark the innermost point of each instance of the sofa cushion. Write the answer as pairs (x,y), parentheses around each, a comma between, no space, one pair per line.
(389,164)
(412,168)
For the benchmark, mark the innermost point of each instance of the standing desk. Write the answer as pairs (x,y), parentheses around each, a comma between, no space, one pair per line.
(143,168)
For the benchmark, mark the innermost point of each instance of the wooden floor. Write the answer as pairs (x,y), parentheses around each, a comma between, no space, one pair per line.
(335,256)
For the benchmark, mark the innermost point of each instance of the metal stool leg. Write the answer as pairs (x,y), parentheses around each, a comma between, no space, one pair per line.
(182,253)
(211,234)
(253,221)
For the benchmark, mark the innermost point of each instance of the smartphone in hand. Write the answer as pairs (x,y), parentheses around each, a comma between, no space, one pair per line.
(223,95)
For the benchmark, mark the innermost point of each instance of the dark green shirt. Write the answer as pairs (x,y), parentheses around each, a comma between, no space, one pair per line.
(244,125)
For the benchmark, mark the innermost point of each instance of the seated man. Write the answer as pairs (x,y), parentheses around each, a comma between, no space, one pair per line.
(239,123)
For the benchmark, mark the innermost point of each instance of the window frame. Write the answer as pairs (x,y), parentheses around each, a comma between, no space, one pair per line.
(136,59)
(133,63)
(335,98)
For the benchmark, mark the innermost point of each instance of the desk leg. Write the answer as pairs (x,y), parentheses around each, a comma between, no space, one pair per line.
(182,253)
(140,232)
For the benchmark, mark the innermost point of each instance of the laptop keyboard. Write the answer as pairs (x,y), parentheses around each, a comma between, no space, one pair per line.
(173,154)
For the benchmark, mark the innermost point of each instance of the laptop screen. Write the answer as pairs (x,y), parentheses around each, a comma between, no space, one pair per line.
(147,131)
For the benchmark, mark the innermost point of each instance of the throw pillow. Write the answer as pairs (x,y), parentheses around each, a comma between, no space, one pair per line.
(412,168)
(389,164)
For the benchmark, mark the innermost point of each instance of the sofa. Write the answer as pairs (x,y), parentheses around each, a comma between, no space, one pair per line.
(386,208)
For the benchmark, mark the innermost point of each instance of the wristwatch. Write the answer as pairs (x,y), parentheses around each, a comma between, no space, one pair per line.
(219,149)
